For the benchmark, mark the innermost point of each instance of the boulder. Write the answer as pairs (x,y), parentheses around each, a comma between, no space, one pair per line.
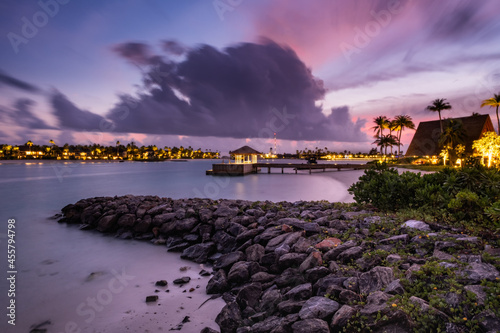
(479,292)
(376,279)
(283,239)
(107,223)
(476,272)
(300,292)
(228,259)
(291,259)
(313,260)
(249,295)
(396,239)
(310,326)
(318,307)
(218,284)
(395,288)
(418,225)
(226,211)
(239,272)
(342,316)
(267,325)
(328,244)
(352,253)
(333,253)
(229,318)
(198,253)
(375,302)
(127,220)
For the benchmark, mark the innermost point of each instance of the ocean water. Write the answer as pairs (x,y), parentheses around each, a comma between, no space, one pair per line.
(60,269)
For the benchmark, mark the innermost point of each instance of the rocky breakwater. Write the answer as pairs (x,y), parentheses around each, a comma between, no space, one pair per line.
(315,266)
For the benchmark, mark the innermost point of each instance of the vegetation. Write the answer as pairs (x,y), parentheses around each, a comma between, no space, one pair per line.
(398,124)
(468,197)
(439,105)
(493,102)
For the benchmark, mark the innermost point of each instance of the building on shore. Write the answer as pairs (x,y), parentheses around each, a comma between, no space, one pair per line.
(244,160)
(426,138)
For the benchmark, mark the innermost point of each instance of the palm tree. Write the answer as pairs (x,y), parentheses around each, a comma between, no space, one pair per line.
(386,141)
(118,148)
(439,105)
(381,123)
(492,102)
(400,123)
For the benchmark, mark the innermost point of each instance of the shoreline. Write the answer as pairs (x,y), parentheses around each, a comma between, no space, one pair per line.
(276,262)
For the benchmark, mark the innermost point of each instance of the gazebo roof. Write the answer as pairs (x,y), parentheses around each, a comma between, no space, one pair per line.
(245,150)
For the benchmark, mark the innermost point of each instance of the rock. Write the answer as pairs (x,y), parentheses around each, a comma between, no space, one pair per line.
(198,253)
(228,259)
(225,242)
(318,307)
(161,283)
(127,220)
(342,316)
(262,277)
(283,239)
(310,326)
(393,258)
(291,259)
(239,272)
(395,239)
(267,325)
(478,291)
(143,225)
(376,279)
(158,220)
(303,245)
(414,224)
(352,253)
(226,211)
(488,322)
(186,224)
(270,300)
(282,249)
(474,240)
(316,273)
(218,283)
(328,244)
(333,253)
(444,245)
(107,223)
(205,215)
(349,297)
(249,295)
(229,318)
(290,306)
(476,272)
(314,260)
(208,330)
(289,277)
(182,280)
(152,298)
(395,288)
(300,292)
(375,302)
(442,255)
(323,286)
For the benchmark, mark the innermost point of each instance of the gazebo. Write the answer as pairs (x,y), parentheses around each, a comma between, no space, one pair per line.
(245,155)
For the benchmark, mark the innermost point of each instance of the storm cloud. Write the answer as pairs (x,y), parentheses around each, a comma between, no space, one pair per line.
(247,90)
(16,83)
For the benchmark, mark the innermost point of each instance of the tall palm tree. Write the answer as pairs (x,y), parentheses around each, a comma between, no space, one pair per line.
(400,123)
(29,144)
(439,105)
(117,148)
(492,102)
(381,123)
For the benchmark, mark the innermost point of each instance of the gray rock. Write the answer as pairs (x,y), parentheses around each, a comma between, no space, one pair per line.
(395,239)
(343,315)
(376,279)
(107,223)
(393,258)
(186,224)
(249,295)
(352,253)
(476,272)
(478,291)
(442,255)
(158,220)
(262,277)
(395,288)
(229,318)
(267,325)
(225,242)
(414,224)
(239,272)
(290,306)
(218,283)
(127,220)
(375,302)
(289,277)
(228,259)
(349,297)
(182,280)
(318,307)
(333,253)
(352,284)
(198,253)
(488,321)
(291,259)
(270,300)
(313,260)
(316,273)
(226,211)
(310,326)
(282,249)
(143,225)
(205,215)
(287,238)
(300,292)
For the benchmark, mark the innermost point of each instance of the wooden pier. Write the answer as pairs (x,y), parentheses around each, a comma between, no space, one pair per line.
(243,169)
(303,166)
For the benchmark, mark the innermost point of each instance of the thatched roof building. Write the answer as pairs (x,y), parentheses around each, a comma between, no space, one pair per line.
(245,154)
(425,140)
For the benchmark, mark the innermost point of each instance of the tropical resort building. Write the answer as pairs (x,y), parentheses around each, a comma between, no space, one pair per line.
(244,158)
(425,142)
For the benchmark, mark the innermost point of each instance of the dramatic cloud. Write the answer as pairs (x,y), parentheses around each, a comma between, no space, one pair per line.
(174,47)
(16,83)
(71,117)
(245,91)
(22,115)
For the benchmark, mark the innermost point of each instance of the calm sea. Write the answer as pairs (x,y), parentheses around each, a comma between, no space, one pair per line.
(53,261)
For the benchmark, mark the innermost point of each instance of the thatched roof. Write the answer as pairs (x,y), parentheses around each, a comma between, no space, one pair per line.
(425,140)
(245,150)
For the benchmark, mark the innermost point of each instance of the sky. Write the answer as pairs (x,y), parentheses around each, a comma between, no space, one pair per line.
(220,74)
